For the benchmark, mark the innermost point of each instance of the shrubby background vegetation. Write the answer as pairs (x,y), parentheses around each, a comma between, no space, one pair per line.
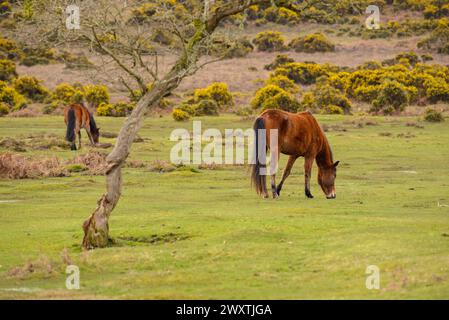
(292,82)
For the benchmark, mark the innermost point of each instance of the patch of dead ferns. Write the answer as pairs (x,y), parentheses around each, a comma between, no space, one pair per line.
(17,166)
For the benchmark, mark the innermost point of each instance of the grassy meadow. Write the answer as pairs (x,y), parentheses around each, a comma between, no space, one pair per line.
(204,234)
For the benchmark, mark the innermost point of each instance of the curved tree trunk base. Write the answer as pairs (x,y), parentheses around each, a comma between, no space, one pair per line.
(96,227)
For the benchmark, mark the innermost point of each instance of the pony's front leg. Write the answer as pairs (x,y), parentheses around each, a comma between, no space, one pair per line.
(79,139)
(273,186)
(308,163)
(89,134)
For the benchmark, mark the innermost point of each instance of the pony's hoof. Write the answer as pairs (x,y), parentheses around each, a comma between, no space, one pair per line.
(309,195)
(275,196)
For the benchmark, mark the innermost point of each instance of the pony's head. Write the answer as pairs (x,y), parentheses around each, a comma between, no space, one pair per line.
(95,134)
(326,179)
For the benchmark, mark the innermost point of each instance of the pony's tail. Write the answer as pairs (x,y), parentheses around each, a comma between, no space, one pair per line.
(258,180)
(70,134)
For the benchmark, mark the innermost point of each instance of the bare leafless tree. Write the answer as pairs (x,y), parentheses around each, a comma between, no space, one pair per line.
(116,30)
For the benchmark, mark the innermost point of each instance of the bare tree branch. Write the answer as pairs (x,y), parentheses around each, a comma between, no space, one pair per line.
(138,78)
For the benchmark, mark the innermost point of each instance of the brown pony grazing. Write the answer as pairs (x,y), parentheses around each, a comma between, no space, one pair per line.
(76,116)
(299,135)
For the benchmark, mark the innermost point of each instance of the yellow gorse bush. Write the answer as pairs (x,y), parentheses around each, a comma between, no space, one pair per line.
(264,94)
(326,99)
(31,88)
(283,100)
(303,73)
(11,98)
(9,49)
(67,94)
(311,43)
(4,109)
(270,41)
(284,83)
(388,86)
(7,70)
(180,115)
(119,109)
(425,82)
(96,94)
(274,97)
(287,16)
(217,91)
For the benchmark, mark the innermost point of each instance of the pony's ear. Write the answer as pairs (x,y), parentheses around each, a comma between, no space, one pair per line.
(336,164)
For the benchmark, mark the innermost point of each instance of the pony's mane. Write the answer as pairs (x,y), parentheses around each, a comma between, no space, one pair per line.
(325,157)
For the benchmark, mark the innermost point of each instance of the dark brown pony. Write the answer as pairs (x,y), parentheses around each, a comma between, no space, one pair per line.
(76,116)
(299,135)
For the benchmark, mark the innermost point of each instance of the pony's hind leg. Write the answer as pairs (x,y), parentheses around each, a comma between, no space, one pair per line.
(287,170)
(73,145)
(73,142)
(77,133)
(273,169)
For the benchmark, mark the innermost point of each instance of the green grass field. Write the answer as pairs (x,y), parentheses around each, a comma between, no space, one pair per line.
(219,240)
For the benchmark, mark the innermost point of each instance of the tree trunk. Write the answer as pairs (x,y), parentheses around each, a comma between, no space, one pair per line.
(96,228)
